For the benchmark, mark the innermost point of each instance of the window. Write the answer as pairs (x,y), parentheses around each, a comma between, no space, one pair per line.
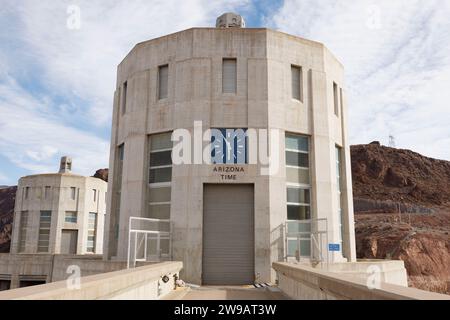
(297,83)
(5,284)
(121,152)
(23,230)
(116,196)
(47,191)
(163,78)
(298,177)
(124,97)
(160,158)
(71,217)
(73,193)
(336,99)
(229,76)
(94,195)
(298,203)
(298,195)
(229,146)
(160,177)
(27,192)
(339,190)
(44,231)
(92,232)
(297,152)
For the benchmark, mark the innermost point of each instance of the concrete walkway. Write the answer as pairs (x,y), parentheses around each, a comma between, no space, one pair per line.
(227,293)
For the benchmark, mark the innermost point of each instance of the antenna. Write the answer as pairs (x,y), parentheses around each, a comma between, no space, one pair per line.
(391,141)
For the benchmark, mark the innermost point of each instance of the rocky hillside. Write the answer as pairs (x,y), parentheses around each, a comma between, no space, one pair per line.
(387,174)
(402,211)
(7,199)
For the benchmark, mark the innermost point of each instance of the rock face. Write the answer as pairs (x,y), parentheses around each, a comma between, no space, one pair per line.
(382,173)
(102,174)
(7,199)
(402,211)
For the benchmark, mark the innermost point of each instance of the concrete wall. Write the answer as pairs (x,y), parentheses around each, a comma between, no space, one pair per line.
(301,282)
(59,201)
(51,268)
(144,283)
(263,100)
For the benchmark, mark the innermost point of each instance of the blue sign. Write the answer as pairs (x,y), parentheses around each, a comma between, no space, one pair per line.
(229,146)
(334,247)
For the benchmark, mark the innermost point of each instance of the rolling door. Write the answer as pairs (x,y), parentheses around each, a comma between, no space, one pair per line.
(228,235)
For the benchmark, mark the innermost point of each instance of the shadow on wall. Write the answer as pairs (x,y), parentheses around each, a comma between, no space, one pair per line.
(277,242)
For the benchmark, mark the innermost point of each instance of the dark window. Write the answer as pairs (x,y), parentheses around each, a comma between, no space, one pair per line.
(296,159)
(160,175)
(163,77)
(296,195)
(297,90)
(124,97)
(163,158)
(299,212)
(336,99)
(229,76)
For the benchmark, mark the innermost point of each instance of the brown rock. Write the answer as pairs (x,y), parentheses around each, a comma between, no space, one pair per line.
(102,174)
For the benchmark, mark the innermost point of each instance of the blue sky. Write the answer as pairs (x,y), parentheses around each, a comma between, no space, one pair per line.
(56,84)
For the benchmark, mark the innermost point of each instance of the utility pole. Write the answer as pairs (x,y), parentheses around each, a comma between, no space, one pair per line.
(391,141)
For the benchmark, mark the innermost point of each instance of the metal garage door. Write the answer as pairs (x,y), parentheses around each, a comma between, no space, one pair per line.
(69,240)
(228,235)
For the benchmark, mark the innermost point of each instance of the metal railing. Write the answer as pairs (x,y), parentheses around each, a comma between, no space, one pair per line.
(149,240)
(307,240)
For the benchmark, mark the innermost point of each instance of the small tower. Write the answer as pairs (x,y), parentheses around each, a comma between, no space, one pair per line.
(230,20)
(65,165)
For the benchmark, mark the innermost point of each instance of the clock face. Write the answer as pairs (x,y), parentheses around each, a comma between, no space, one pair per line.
(229,146)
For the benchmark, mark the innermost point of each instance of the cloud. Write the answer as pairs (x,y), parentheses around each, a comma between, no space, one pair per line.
(81,63)
(57,83)
(397,60)
(31,140)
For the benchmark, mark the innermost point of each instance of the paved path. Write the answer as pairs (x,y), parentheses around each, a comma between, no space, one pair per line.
(229,293)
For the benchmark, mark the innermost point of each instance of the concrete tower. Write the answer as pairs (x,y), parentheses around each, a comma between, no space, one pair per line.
(229,218)
(59,213)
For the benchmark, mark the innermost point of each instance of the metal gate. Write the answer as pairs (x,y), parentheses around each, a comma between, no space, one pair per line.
(149,240)
(307,240)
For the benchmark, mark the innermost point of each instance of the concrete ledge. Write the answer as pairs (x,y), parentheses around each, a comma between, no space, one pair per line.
(143,283)
(389,271)
(302,282)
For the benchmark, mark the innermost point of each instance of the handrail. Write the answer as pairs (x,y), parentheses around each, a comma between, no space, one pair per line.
(316,233)
(150,233)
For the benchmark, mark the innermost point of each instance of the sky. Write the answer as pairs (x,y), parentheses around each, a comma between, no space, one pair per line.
(58,63)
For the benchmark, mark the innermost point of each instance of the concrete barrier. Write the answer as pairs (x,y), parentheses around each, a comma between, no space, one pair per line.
(302,282)
(51,268)
(143,283)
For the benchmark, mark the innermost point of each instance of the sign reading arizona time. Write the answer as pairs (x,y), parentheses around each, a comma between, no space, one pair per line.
(228,173)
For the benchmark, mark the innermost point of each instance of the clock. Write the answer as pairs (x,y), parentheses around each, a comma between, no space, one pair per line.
(229,146)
